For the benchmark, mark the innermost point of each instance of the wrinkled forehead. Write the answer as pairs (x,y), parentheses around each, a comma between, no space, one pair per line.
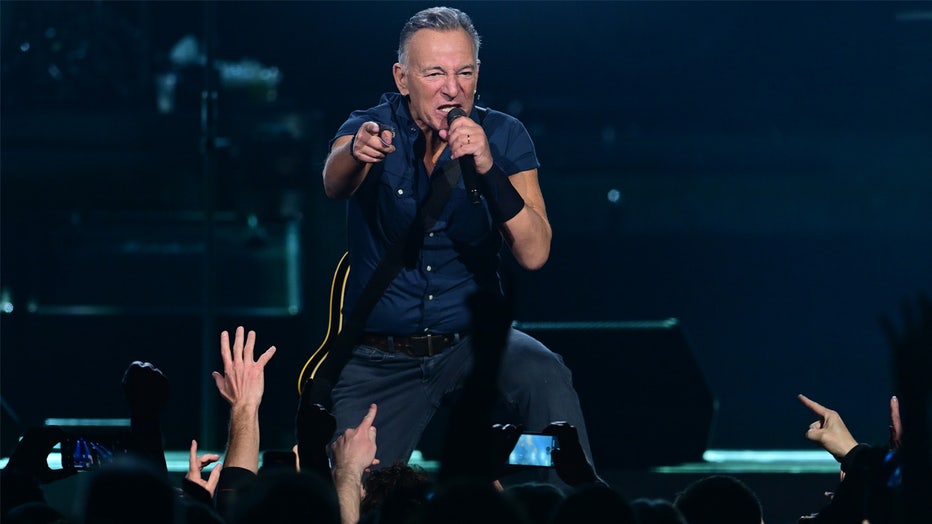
(452,45)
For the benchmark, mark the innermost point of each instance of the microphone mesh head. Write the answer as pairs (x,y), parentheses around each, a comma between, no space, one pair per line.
(455,113)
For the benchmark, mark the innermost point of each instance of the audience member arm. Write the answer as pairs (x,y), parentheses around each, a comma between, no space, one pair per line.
(353,453)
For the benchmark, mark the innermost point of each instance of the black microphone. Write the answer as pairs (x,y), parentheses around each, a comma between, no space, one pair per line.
(467,164)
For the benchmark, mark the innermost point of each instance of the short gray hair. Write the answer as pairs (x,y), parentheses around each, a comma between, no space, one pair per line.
(439,19)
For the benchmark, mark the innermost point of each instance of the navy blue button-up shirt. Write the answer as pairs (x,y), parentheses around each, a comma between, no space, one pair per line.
(460,253)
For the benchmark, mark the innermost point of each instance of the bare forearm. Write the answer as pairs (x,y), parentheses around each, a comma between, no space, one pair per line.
(517,205)
(349,495)
(528,235)
(841,446)
(343,173)
(243,444)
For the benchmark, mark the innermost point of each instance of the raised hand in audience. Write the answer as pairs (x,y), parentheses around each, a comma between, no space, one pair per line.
(829,430)
(353,454)
(569,460)
(32,451)
(870,475)
(242,385)
(504,438)
(146,390)
(197,463)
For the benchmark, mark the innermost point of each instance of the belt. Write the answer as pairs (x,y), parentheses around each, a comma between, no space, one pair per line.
(415,346)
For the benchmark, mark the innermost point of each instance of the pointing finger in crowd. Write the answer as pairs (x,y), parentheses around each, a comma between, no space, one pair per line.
(366,424)
(814,406)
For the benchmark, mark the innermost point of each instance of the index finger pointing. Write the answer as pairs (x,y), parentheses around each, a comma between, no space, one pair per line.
(368,419)
(816,408)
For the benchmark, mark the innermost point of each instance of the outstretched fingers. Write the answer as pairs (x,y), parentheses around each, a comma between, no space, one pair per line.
(249,348)
(265,357)
(225,351)
(242,378)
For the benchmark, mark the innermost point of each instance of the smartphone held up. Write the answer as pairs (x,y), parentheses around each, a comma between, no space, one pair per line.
(85,449)
(533,449)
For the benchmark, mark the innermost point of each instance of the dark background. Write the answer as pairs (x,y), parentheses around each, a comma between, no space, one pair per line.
(772,165)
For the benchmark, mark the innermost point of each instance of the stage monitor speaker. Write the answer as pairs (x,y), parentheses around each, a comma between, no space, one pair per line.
(644,397)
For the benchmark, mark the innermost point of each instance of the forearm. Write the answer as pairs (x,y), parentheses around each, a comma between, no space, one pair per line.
(349,494)
(528,235)
(147,439)
(517,207)
(839,442)
(342,172)
(243,444)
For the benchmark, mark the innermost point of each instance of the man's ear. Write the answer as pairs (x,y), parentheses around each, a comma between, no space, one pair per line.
(401,79)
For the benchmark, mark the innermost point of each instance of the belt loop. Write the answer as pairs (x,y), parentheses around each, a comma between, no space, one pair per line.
(430,345)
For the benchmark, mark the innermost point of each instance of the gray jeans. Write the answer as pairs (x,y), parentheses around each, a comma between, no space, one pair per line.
(536,386)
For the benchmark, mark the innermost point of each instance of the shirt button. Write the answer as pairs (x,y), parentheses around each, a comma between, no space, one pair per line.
(429,268)
(426,330)
(430,297)
(431,234)
(401,192)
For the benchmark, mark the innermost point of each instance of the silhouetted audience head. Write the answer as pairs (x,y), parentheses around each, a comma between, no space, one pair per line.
(463,501)
(199,513)
(594,503)
(286,497)
(656,511)
(537,499)
(128,490)
(719,499)
(395,493)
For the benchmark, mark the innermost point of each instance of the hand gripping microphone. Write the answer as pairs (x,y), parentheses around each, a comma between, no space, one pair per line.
(467,164)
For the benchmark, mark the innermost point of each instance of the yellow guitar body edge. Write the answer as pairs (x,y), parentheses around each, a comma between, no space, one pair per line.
(334,322)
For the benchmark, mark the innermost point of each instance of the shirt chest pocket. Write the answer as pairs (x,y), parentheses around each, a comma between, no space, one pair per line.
(397,205)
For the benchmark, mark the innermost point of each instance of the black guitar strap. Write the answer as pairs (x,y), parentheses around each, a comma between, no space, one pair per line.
(441,186)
